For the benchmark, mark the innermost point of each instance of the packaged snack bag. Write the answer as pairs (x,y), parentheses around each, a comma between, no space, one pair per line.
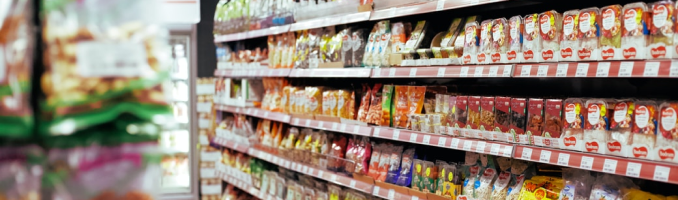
(644,129)
(553,123)
(416,37)
(384,162)
(473,119)
(346,54)
(90,89)
(635,30)
(667,140)
(375,111)
(487,116)
(380,59)
(469,181)
(662,30)
(532,41)
(328,107)
(314,100)
(500,41)
(404,177)
(364,103)
(484,185)
(619,139)
(577,184)
(550,26)
(573,130)
(394,165)
(460,113)
(369,47)
(596,125)
(589,32)
(417,174)
(398,37)
(485,45)
(343,109)
(452,33)
(386,106)
(535,118)
(501,117)
(400,117)
(515,188)
(429,176)
(570,41)
(518,120)
(471,42)
(374,161)
(515,39)
(610,38)
(359,44)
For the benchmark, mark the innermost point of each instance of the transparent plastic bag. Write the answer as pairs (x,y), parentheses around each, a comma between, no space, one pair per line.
(21,172)
(577,184)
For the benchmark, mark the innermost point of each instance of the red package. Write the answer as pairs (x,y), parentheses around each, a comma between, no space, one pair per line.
(364,104)
(501,114)
(535,117)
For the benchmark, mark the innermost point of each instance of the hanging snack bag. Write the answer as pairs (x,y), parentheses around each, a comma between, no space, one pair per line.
(487,117)
(485,45)
(518,120)
(416,37)
(553,123)
(406,166)
(573,130)
(635,30)
(610,37)
(346,54)
(501,118)
(662,30)
(471,42)
(314,100)
(532,41)
(417,174)
(619,139)
(470,180)
(570,41)
(374,113)
(337,151)
(500,41)
(329,103)
(364,103)
(589,32)
(501,186)
(440,180)
(473,119)
(394,165)
(644,130)
(596,125)
(415,99)
(667,141)
(515,40)
(550,26)
(535,118)
(373,170)
(461,115)
(400,117)
(386,106)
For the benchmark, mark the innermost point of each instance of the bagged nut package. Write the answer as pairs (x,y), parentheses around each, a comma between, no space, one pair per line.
(15,70)
(97,70)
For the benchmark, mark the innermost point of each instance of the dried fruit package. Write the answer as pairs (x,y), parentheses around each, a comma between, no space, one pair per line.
(487,116)
(21,171)
(359,44)
(596,125)
(570,41)
(92,78)
(662,30)
(610,37)
(635,30)
(667,141)
(473,118)
(452,33)
(502,114)
(374,113)
(573,126)
(416,37)
(553,123)
(364,103)
(589,31)
(301,55)
(485,45)
(329,103)
(619,139)
(386,106)
(471,42)
(515,39)
(550,26)
(415,99)
(532,41)
(384,162)
(131,164)
(518,120)
(535,118)
(644,129)
(461,114)
(500,41)
(400,117)
(417,174)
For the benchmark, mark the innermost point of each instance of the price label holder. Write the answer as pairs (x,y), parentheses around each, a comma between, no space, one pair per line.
(427,139)
(478,71)
(651,69)
(493,71)
(413,72)
(673,71)
(440,5)
(563,159)
(441,70)
(467,145)
(525,70)
(542,71)
(494,149)
(527,153)
(352,184)
(441,141)
(545,156)
(376,131)
(661,173)
(633,169)
(610,166)
(392,72)
(582,70)
(480,147)
(396,134)
(625,69)
(455,143)
(463,72)
(413,137)
(561,70)
(507,70)
(603,69)
(586,163)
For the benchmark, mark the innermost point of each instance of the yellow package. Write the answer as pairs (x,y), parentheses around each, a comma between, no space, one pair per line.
(343,97)
(539,190)
(300,101)
(636,194)
(314,100)
(330,103)
(285,100)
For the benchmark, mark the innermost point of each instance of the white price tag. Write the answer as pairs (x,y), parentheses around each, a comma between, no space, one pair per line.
(335,126)
(396,134)
(542,71)
(342,128)
(441,72)
(304,169)
(561,70)
(527,154)
(463,72)
(391,194)
(270,72)
(480,147)
(651,69)
(673,71)
(296,121)
(508,150)
(308,123)
(467,145)
(625,69)
(455,143)
(478,71)
(413,137)
(545,156)
(377,72)
(286,118)
(610,166)
(391,72)
(427,139)
(321,125)
(356,129)
(582,70)
(256,112)
(507,71)
(493,71)
(375,191)
(352,183)
(603,69)
(586,162)
(633,169)
(494,149)
(310,171)
(441,141)
(333,178)
(320,173)
(661,173)
(440,5)
(415,198)
(525,70)
(376,131)
(413,72)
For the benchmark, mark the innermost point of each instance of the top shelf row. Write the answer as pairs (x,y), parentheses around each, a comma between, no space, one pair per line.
(427,7)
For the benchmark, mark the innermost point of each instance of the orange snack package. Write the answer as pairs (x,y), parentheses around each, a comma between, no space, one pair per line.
(416,99)
(343,98)
(400,119)
(364,104)
(314,100)
(374,114)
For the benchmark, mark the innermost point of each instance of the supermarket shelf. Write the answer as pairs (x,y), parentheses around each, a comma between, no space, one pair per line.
(641,68)
(231,144)
(427,7)
(336,72)
(333,126)
(464,144)
(663,172)
(330,21)
(390,194)
(444,72)
(256,112)
(252,34)
(242,181)
(264,72)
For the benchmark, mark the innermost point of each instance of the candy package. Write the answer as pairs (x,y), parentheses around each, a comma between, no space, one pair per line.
(515,39)
(473,117)
(387,106)
(570,42)
(471,42)
(610,37)
(619,138)
(551,28)
(553,122)
(635,30)
(596,125)
(461,114)
(416,37)
(667,139)
(364,103)
(502,115)
(338,150)
(518,120)
(375,110)
(573,130)
(532,43)
(485,44)
(644,129)
(589,32)
(662,29)
(535,118)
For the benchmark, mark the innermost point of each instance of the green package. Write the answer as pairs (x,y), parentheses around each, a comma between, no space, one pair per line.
(386,105)
(416,175)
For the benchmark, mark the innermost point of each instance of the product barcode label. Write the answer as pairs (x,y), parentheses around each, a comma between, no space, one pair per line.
(441,141)
(527,154)
(480,147)
(440,5)
(427,139)
(545,156)
(561,70)
(493,71)
(673,71)
(651,69)
(467,145)
(625,69)
(661,173)
(603,69)
(586,162)
(610,166)
(455,143)
(633,169)
(396,134)
(391,72)
(463,72)
(563,159)
(525,70)
(542,71)
(413,137)
(582,70)
(507,70)
(494,149)
(478,72)
(376,131)
(352,183)
(321,125)
(413,72)
(342,128)
(441,72)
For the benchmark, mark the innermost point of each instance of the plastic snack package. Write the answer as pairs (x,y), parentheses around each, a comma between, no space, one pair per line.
(85,81)
(667,139)
(515,39)
(570,41)
(363,155)
(346,53)
(596,125)
(429,177)
(610,187)
(380,57)
(21,171)
(404,177)
(343,98)
(631,194)
(452,34)
(662,29)
(644,129)
(473,117)
(314,100)
(518,120)
(417,175)
(502,116)
(394,164)
(301,55)
(440,180)
(416,37)
(485,44)
(532,43)
(610,37)
(577,184)
(487,117)
(386,106)
(589,32)
(373,170)
(500,43)
(573,130)
(471,42)
(483,185)
(398,37)
(369,47)
(550,26)
(351,151)
(359,44)
(401,105)
(16,118)
(375,110)
(415,99)
(635,30)
(469,182)
(501,186)
(619,139)
(452,179)
(553,121)
(515,188)
(535,118)
(364,103)
(338,151)
(384,162)
(327,107)
(461,115)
